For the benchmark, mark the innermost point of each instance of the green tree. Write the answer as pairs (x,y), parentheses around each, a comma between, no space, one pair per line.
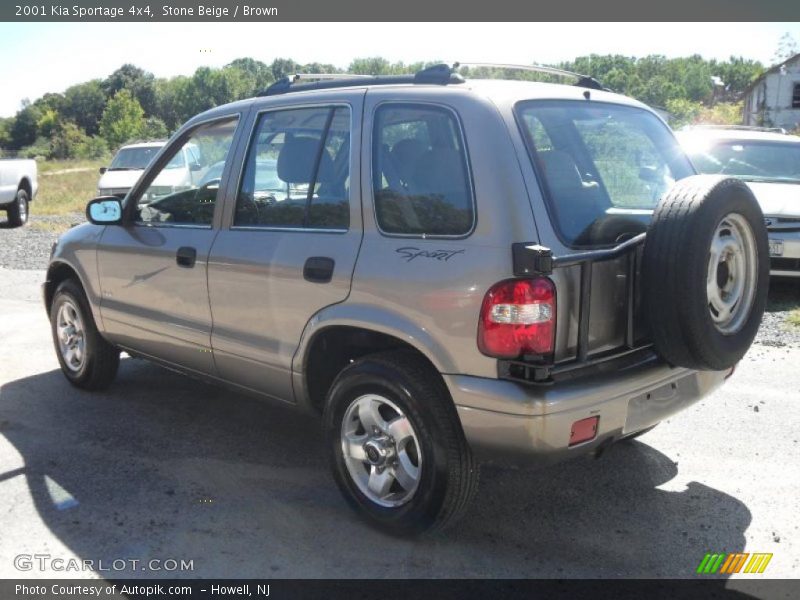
(137,81)
(371,66)
(282,67)
(122,120)
(257,74)
(48,123)
(67,140)
(25,126)
(154,128)
(84,104)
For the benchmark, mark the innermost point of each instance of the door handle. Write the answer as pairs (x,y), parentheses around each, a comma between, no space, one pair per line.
(318,269)
(186,257)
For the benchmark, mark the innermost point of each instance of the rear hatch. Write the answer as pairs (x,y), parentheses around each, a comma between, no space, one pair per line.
(601,168)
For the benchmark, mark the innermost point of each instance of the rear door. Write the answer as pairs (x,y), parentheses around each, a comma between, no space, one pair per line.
(289,242)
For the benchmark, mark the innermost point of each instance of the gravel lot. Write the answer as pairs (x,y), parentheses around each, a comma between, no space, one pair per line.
(162,466)
(29,247)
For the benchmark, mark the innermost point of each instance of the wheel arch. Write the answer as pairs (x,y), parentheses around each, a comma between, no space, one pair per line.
(333,340)
(25,184)
(57,272)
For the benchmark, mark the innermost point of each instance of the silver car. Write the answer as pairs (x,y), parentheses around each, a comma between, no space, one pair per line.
(447,271)
(769,161)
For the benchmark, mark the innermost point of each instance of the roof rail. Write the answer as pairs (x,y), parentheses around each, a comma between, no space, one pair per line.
(737,127)
(437,74)
(582,80)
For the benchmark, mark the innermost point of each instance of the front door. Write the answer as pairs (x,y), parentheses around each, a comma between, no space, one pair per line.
(153,268)
(289,246)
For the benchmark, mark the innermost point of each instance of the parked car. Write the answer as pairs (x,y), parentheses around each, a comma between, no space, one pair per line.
(131,160)
(769,161)
(448,272)
(18,187)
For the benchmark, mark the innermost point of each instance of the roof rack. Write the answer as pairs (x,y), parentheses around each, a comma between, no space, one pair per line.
(736,127)
(437,74)
(440,74)
(582,80)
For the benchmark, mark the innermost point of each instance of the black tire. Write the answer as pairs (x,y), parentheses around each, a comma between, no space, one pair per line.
(18,210)
(448,476)
(101,359)
(676,265)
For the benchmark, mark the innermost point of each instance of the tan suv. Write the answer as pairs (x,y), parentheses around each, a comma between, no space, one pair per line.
(447,270)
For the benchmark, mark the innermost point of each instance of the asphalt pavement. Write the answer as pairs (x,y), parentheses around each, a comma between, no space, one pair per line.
(162,467)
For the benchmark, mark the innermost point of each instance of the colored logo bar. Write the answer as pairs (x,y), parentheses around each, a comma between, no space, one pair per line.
(734,562)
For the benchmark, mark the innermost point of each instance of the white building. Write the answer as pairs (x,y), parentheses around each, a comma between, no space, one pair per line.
(774,98)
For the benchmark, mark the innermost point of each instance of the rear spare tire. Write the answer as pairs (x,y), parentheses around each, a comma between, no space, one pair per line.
(705,272)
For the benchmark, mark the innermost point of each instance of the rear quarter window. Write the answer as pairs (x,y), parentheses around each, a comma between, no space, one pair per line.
(420,172)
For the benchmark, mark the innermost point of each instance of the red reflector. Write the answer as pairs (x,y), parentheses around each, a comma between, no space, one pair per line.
(583,430)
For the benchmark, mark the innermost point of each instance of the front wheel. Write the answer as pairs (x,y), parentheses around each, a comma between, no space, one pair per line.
(18,210)
(87,360)
(398,453)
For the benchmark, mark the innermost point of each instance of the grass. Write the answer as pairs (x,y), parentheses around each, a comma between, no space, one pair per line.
(48,166)
(61,193)
(794,318)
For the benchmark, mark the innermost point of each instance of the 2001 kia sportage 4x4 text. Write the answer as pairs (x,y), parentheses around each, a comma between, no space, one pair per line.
(447,270)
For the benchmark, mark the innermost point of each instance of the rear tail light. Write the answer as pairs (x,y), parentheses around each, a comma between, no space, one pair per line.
(518,316)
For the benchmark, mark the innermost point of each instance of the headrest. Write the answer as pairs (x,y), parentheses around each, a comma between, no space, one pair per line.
(405,154)
(296,161)
(438,171)
(560,170)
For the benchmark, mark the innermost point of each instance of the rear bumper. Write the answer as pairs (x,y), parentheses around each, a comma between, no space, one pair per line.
(511,422)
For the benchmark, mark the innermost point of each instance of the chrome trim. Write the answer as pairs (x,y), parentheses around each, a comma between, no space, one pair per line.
(170,225)
(291,229)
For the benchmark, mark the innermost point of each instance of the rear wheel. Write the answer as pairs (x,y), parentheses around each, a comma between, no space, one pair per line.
(87,360)
(18,210)
(705,272)
(398,453)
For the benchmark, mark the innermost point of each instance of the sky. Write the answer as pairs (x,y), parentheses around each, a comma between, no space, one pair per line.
(49,57)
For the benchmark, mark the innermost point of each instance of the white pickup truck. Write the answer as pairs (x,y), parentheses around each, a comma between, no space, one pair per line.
(18,186)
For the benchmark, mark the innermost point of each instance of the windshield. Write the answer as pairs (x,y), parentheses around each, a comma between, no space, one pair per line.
(747,159)
(134,158)
(603,167)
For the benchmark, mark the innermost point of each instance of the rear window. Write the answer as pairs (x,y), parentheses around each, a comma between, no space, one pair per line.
(420,175)
(603,167)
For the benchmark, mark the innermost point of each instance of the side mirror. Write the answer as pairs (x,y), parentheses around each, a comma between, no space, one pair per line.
(196,167)
(103,170)
(106,210)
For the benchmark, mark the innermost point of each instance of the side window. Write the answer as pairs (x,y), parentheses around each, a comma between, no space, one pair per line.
(184,192)
(297,171)
(419,172)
